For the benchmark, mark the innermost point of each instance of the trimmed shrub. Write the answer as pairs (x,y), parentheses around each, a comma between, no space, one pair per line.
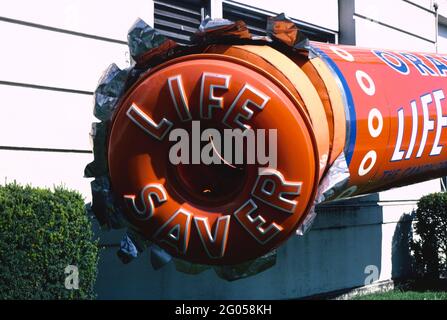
(429,246)
(41,233)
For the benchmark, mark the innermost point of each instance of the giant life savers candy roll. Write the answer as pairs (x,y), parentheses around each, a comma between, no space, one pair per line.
(326,122)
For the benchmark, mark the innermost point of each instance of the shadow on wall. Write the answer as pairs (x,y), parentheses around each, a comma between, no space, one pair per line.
(401,258)
(345,239)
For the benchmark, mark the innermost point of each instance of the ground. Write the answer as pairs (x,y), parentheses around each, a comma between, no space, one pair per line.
(405,295)
(412,290)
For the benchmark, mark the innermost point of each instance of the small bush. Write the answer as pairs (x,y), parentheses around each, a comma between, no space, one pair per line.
(41,233)
(429,247)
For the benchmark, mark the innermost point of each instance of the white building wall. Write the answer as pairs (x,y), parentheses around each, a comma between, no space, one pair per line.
(392,24)
(53,52)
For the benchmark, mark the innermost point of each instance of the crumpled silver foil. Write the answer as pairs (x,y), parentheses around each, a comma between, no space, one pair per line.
(98,136)
(246,269)
(215,30)
(143,38)
(335,180)
(159,257)
(110,88)
(133,244)
(209,24)
(128,250)
(333,183)
(308,222)
(188,267)
(103,205)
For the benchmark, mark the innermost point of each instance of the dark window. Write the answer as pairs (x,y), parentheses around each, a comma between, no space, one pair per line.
(179,20)
(257,23)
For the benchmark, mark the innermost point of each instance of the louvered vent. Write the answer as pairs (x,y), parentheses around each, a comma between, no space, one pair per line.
(257,22)
(178,20)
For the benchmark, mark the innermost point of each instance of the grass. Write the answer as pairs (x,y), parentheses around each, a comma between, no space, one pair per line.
(416,289)
(405,295)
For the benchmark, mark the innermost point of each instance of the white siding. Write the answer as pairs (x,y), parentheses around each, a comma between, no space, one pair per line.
(44,118)
(55,59)
(393,24)
(105,18)
(371,34)
(397,14)
(44,133)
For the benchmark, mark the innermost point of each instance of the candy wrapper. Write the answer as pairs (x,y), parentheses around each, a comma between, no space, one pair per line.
(333,183)
(110,88)
(247,269)
(146,43)
(98,167)
(148,48)
(103,205)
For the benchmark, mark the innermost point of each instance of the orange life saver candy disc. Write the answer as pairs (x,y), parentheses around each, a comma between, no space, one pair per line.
(220,213)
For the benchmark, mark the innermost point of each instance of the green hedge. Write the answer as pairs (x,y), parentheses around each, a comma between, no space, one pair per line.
(41,233)
(430,244)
